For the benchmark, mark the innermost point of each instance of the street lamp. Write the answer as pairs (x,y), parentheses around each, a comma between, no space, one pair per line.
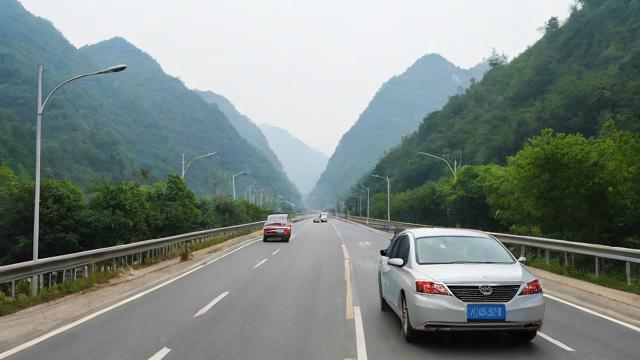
(248,189)
(388,194)
(233,181)
(367,203)
(453,169)
(40,109)
(184,169)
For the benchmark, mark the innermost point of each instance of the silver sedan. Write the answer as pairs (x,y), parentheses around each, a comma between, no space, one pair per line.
(438,279)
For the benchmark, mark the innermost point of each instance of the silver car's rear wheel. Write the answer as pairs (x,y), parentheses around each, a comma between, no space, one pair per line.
(408,332)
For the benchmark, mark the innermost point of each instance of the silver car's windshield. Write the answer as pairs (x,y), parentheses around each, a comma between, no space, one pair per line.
(461,250)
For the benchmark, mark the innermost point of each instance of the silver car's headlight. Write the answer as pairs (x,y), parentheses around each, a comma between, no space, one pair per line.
(429,287)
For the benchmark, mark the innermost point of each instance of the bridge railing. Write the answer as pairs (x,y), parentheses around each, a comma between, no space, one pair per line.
(59,269)
(569,248)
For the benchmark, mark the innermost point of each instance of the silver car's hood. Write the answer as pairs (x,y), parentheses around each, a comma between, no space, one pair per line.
(476,273)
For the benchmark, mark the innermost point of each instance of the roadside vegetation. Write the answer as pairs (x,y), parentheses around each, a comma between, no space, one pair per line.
(107,215)
(560,186)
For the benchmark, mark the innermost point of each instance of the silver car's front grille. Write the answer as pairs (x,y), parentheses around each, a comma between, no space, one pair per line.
(472,293)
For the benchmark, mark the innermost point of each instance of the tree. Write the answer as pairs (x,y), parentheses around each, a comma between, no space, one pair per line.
(496,59)
(119,214)
(173,207)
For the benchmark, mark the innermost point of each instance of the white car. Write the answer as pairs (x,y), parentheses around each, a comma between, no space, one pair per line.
(438,279)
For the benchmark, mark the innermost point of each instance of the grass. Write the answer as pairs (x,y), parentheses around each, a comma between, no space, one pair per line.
(23,300)
(612,273)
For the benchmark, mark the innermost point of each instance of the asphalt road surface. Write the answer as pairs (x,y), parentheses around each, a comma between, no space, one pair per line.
(294,301)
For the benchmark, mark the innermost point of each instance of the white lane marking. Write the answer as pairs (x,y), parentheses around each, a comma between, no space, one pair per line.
(260,263)
(338,232)
(555,342)
(361,348)
(299,231)
(364,243)
(160,354)
(64,328)
(275,252)
(589,311)
(211,304)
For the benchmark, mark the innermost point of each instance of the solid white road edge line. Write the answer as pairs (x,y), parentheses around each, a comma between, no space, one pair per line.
(555,342)
(589,311)
(361,348)
(64,328)
(260,263)
(160,354)
(210,305)
(275,252)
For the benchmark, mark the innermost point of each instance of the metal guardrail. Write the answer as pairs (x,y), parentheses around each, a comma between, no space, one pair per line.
(109,257)
(567,247)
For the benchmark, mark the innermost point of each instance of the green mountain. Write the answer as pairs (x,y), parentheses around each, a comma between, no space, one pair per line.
(247,128)
(574,79)
(302,163)
(111,127)
(395,111)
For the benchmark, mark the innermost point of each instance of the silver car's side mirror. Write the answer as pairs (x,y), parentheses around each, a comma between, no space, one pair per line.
(522,259)
(396,262)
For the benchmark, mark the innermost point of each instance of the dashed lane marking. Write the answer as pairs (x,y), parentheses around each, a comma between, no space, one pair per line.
(211,304)
(555,342)
(260,263)
(160,354)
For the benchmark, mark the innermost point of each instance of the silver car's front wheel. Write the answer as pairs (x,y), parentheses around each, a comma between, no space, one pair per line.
(408,332)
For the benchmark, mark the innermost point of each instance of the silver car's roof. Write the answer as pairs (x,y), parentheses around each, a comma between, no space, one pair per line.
(424,232)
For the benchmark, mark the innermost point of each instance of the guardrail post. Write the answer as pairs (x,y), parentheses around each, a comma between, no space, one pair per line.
(522,251)
(49,285)
(628,271)
(546,256)
(13,288)
(573,258)
(566,260)
(597,266)
(539,254)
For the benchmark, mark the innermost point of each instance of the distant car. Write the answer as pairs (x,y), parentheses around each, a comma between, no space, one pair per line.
(277,227)
(316,219)
(452,279)
(324,217)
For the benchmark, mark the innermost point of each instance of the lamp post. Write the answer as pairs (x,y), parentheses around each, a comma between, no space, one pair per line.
(453,169)
(40,109)
(233,182)
(388,194)
(248,189)
(184,169)
(367,203)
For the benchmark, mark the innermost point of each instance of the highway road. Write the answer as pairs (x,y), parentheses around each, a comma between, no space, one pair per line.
(293,301)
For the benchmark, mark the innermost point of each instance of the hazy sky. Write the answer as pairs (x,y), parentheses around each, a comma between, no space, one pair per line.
(308,66)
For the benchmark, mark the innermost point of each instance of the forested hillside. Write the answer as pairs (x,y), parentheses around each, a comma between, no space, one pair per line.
(247,128)
(575,78)
(302,163)
(395,111)
(550,141)
(131,125)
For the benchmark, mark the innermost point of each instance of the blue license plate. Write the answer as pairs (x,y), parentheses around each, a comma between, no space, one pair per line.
(492,312)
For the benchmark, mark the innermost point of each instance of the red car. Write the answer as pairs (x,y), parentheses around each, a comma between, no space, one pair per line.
(278,227)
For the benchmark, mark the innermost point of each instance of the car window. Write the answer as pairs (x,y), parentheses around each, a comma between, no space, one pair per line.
(390,249)
(402,250)
(277,219)
(461,249)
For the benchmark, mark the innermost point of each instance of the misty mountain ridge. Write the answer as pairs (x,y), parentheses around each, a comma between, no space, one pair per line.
(395,111)
(110,127)
(247,128)
(302,163)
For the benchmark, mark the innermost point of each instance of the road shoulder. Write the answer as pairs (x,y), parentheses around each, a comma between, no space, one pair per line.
(30,323)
